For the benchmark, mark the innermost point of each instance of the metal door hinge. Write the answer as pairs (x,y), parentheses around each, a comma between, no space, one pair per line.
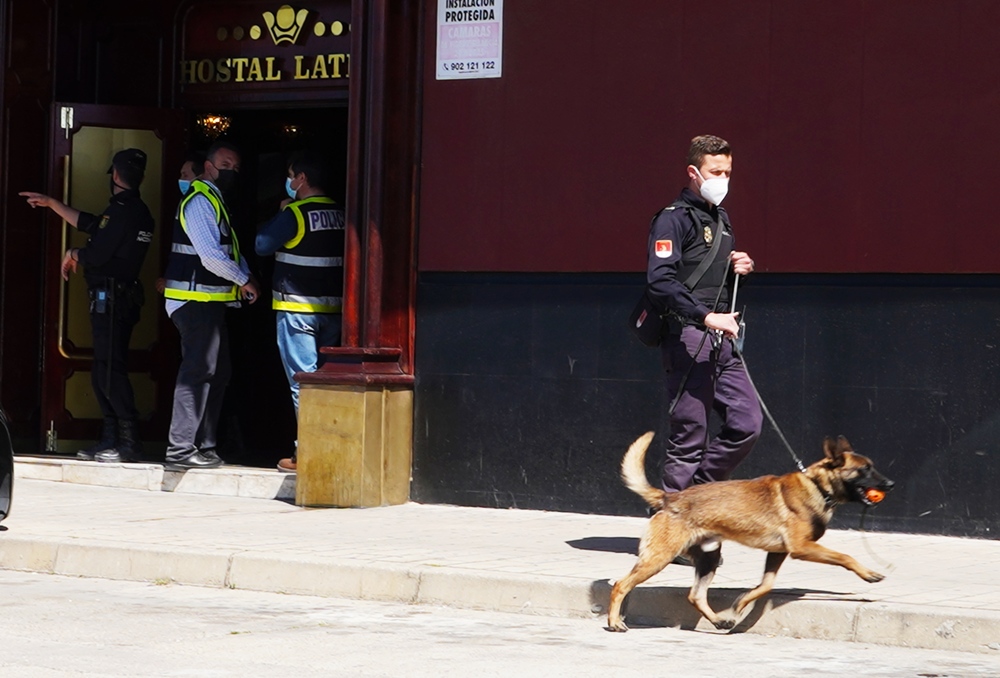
(52,438)
(66,119)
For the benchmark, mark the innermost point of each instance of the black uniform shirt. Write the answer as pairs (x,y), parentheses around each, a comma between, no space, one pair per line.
(118,240)
(677,244)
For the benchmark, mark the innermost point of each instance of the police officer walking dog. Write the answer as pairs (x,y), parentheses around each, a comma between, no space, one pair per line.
(112,259)
(690,278)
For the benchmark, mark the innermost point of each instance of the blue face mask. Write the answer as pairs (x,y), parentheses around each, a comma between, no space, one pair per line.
(184,185)
(288,188)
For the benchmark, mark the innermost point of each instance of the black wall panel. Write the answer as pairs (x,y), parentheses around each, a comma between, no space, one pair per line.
(530,387)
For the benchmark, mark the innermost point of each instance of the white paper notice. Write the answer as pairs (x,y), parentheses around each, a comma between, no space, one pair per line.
(470,39)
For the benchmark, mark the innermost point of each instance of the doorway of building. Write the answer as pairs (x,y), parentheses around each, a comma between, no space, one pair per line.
(258,424)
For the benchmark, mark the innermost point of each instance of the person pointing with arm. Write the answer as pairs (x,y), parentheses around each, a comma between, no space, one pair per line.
(111,260)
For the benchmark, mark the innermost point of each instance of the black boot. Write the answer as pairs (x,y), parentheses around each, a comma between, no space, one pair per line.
(128,448)
(107,443)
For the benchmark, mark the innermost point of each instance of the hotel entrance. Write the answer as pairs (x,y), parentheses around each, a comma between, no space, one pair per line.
(271,79)
(258,424)
(169,76)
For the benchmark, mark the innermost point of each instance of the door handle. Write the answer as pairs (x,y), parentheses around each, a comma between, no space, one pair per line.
(62,343)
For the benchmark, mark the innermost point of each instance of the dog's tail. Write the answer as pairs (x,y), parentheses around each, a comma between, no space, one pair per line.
(634,472)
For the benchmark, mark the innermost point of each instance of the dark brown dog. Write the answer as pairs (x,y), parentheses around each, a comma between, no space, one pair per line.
(783,515)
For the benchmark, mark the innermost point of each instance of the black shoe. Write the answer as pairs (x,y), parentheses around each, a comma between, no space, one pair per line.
(196,460)
(128,448)
(107,443)
(211,455)
(686,560)
(128,445)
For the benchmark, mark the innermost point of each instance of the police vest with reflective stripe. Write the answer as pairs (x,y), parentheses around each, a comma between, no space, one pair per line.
(186,277)
(309,268)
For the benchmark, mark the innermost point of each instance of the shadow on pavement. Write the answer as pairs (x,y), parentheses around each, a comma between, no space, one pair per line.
(667,606)
(607,544)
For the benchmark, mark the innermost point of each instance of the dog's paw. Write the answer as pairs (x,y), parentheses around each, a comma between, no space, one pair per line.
(617,627)
(873,577)
(725,623)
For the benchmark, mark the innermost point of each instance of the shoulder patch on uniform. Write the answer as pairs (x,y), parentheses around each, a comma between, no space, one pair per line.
(664,248)
(104,221)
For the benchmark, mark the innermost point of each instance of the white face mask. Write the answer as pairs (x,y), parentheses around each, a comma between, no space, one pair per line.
(715,189)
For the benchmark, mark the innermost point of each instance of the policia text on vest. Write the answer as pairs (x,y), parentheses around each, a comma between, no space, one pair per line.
(307,240)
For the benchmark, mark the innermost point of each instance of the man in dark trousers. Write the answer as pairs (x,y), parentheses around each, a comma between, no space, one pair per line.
(307,240)
(205,274)
(703,372)
(112,259)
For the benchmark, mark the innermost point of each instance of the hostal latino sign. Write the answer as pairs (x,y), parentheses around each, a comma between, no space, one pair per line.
(252,49)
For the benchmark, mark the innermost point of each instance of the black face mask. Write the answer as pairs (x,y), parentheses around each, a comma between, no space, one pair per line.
(227,180)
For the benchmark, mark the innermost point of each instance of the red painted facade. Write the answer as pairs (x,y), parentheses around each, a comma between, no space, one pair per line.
(863,134)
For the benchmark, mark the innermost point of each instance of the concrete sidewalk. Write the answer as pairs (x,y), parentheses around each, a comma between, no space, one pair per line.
(940,592)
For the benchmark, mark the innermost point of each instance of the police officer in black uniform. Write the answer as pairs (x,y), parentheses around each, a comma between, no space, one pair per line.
(704,373)
(112,259)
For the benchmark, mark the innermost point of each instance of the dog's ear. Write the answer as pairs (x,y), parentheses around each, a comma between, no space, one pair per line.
(833,451)
(843,445)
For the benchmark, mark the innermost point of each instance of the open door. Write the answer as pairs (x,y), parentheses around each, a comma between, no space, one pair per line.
(84,139)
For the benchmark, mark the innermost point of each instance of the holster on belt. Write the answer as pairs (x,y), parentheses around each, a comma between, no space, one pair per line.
(102,296)
(674,324)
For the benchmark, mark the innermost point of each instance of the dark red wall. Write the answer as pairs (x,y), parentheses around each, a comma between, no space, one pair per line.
(865,134)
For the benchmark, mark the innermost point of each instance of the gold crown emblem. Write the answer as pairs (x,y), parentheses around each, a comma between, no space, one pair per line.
(285,24)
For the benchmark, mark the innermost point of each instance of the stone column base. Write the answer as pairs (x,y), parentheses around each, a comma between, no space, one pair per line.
(355,445)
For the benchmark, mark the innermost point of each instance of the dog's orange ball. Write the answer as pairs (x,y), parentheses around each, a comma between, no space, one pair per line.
(874,495)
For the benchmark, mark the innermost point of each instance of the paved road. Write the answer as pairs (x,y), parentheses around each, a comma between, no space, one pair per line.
(56,626)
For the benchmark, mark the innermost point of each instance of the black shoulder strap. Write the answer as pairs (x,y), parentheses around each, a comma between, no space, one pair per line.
(697,274)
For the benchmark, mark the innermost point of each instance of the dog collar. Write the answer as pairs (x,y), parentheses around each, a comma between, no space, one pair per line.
(827,497)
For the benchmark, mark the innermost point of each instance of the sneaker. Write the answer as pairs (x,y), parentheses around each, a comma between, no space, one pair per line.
(288,465)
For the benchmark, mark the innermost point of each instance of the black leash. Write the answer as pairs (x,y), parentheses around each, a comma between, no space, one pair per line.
(767,412)
(746,370)
(798,462)
(694,359)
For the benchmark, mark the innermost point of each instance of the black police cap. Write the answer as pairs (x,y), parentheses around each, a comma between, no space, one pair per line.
(129,158)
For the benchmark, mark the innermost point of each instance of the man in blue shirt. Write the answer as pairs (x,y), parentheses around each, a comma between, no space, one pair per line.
(307,240)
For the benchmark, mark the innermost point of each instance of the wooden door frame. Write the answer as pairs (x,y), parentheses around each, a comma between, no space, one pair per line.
(159,358)
(382,189)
